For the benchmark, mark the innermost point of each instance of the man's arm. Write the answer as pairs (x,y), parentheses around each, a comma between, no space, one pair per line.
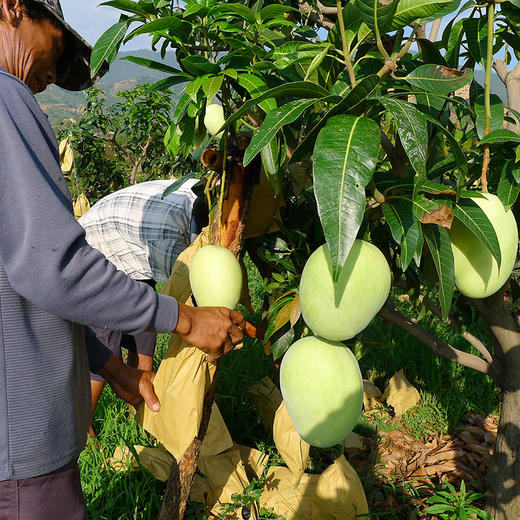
(43,249)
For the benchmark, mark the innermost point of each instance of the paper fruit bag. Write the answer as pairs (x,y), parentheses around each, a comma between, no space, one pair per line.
(293,449)
(339,494)
(285,498)
(182,380)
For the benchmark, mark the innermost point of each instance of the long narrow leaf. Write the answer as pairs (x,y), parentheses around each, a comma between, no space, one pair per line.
(273,121)
(404,227)
(472,216)
(352,99)
(439,245)
(345,158)
(413,131)
(305,89)
(107,46)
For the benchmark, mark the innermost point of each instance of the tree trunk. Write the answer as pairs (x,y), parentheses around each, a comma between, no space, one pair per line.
(503,478)
(504,466)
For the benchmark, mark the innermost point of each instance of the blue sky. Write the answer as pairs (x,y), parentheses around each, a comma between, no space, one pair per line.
(92,20)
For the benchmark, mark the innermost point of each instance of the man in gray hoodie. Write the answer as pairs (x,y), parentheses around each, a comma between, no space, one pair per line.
(51,281)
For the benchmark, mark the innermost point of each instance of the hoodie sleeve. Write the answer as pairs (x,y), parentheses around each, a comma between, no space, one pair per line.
(42,247)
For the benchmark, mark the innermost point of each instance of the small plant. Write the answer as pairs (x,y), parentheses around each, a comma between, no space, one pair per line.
(246,501)
(453,505)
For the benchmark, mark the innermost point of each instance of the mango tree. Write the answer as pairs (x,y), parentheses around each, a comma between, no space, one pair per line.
(371,130)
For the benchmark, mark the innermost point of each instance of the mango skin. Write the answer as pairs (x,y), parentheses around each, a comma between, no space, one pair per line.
(214,119)
(477,274)
(215,277)
(322,387)
(338,311)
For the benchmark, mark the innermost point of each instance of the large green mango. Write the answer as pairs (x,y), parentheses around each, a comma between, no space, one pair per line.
(215,277)
(477,274)
(339,311)
(322,387)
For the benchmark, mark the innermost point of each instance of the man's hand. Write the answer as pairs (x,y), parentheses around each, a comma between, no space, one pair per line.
(130,384)
(214,330)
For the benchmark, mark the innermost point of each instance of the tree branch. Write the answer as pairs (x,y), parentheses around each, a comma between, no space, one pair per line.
(434,31)
(323,9)
(390,313)
(457,327)
(316,18)
(501,70)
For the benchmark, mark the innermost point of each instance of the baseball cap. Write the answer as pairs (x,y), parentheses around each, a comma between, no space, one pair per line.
(73,68)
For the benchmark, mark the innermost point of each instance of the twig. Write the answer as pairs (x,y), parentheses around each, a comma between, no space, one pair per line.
(390,313)
(457,327)
(346,50)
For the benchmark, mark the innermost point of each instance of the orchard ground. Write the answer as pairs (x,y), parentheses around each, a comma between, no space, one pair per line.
(449,392)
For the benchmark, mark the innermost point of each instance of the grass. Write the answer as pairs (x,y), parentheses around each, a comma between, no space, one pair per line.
(448,392)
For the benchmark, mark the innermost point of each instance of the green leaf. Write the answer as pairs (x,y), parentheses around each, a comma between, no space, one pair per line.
(274,120)
(177,184)
(508,187)
(410,10)
(440,508)
(472,216)
(452,55)
(438,242)
(239,10)
(293,52)
(476,38)
(354,97)
(154,65)
(166,83)
(274,10)
(377,13)
(404,227)
(169,23)
(430,52)
(271,164)
(199,65)
(129,6)
(181,108)
(212,85)
(345,158)
(305,89)
(316,62)
(256,86)
(437,79)
(497,114)
(445,11)
(413,131)
(281,344)
(458,154)
(107,46)
(500,136)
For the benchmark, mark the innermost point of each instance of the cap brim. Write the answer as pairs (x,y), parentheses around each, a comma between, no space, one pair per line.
(73,68)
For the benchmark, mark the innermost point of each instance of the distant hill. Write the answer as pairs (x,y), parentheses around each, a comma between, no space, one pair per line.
(61,104)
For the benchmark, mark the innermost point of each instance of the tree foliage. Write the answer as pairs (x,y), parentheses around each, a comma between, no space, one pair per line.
(370,128)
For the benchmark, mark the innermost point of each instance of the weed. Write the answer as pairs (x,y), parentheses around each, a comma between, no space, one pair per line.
(450,504)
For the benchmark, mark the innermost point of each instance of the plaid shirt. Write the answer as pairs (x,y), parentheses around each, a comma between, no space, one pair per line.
(138,231)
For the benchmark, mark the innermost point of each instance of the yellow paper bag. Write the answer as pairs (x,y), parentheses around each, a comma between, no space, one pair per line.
(263,208)
(217,438)
(224,475)
(294,502)
(339,494)
(156,460)
(81,205)
(180,384)
(254,461)
(266,398)
(293,449)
